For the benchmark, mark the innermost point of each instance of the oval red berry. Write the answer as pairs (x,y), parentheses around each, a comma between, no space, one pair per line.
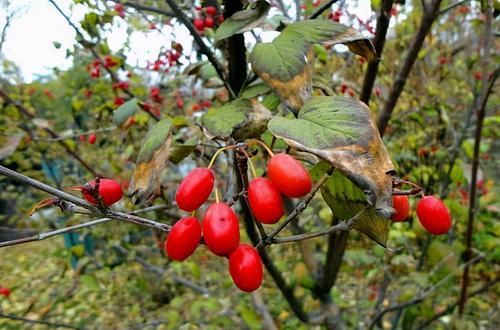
(245,267)
(289,176)
(433,215)
(220,229)
(402,206)
(92,138)
(265,201)
(109,190)
(194,189)
(4,291)
(183,238)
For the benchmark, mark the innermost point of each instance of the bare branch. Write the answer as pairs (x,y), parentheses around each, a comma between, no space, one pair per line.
(262,309)
(105,212)
(383,19)
(483,100)
(429,15)
(341,226)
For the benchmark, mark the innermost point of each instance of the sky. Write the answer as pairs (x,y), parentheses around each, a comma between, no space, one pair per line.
(30,37)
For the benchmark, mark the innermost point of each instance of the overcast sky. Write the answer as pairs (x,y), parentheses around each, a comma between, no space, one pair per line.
(30,37)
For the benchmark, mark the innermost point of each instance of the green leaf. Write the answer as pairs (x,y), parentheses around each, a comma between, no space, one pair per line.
(180,151)
(345,200)
(341,131)
(244,20)
(151,161)
(125,111)
(255,90)
(90,282)
(285,63)
(241,119)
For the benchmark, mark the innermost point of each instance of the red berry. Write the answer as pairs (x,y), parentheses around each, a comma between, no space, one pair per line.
(4,291)
(118,101)
(265,200)
(195,189)
(209,22)
(199,24)
(343,88)
(434,215)
(92,138)
(109,190)
(82,138)
(220,229)
(402,207)
(289,176)
(183,238)
(245,267)
(478,75)
(120,10)
(196,107)
(211,10)
(179,102)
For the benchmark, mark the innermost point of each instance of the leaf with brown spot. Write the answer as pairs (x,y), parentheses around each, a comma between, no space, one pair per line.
(285,64)
(341,130)
(151,162)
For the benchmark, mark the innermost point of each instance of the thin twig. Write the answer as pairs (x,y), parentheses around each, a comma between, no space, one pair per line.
(451,307)
(298,210)
(142,7)
(341,226)
(450,7)
(106,212)
(49,324)
(322,8)
(76,135)
(421,297)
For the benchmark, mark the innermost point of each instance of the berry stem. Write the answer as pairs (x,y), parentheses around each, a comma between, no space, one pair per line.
(269,151)
(252,168)
(214,157)
(217,198)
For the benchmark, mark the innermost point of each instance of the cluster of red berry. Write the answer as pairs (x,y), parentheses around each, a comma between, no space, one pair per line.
(432,213)
(205,18)
(167,60)
(92,138)
(220,230)
(94,68)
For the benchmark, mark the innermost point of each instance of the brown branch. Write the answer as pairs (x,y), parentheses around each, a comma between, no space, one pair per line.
(53,134)
(182,17)
(485,92)
(429,15)
(105,212)
(337,243)
(383,20)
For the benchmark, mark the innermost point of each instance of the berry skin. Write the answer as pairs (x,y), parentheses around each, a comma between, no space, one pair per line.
(265,201)
(433,215)
(402,207)
(4,291)
(220,229)
(289,176)
(211,10)
(199,24)
(183,238)
(245,267)
(209,22)
(109,190)
(194,189)
(92,138)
